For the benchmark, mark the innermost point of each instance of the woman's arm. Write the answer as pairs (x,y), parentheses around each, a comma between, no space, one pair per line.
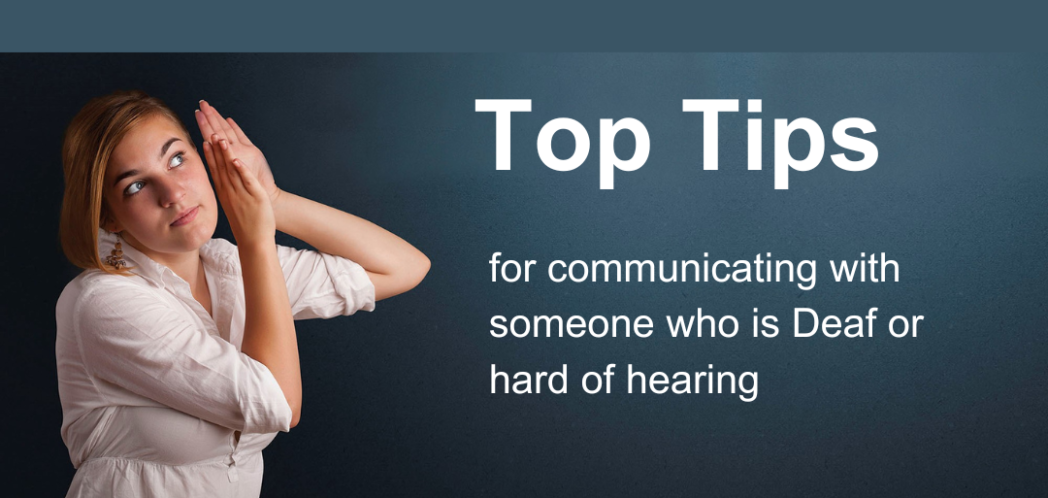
(131,339)
(393,265)
(269,328)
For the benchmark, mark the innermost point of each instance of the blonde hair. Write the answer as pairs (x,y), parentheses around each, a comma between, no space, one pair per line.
(88,144)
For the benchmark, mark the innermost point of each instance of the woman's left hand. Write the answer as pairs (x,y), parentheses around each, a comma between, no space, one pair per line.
(212,123)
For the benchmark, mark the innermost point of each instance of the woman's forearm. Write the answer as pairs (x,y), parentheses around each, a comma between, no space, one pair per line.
(269,329)
(393,265)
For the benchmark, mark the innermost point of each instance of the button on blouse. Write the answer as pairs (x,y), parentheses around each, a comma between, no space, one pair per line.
(157,399)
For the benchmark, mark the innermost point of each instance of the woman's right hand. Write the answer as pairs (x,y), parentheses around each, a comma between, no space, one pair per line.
(244,200)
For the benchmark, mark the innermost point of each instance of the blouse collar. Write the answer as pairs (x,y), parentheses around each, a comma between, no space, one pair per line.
(217,255)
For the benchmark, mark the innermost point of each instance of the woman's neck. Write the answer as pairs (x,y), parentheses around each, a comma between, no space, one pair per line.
(186,265)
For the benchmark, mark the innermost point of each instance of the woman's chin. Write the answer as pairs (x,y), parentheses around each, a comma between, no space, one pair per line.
(199,232)
(191,237)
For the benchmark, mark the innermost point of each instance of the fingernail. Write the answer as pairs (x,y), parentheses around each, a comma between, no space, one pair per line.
(198,110)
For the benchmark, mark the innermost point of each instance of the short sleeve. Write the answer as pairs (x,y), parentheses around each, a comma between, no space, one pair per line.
(323,286)
(133,339)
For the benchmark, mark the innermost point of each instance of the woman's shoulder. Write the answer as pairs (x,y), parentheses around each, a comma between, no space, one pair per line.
(93,285)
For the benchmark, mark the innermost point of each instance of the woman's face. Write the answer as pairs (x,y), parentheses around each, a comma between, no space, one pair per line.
(157,191)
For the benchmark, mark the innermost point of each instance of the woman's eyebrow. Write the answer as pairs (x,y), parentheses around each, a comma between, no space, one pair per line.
(123,175)
(163,150)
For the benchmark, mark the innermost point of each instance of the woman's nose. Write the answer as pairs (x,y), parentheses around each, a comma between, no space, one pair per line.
(171,191)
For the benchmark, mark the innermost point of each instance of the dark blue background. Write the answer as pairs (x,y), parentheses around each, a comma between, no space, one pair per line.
(397,401)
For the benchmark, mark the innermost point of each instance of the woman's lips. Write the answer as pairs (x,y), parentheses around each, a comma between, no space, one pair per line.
(186,218)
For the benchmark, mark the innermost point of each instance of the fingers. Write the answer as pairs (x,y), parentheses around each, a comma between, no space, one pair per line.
(239,133)
(210,122)
(251,184)
(240,176)
(233,173)
(222,165)
(212,164)
(205,126)
(217,123)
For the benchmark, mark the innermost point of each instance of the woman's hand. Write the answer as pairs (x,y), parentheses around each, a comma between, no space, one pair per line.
(211,123)
(244,200)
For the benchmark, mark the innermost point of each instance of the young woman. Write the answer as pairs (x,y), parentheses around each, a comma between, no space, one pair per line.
(177,356)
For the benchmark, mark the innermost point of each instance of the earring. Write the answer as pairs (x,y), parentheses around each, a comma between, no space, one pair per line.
(116,256)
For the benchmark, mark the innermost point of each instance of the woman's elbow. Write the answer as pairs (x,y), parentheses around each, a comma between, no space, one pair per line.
(415,272)
(296,413)
(421,269)
(412,272)
(407,276)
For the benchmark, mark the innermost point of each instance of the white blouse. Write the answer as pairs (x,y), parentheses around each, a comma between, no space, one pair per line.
(157,399)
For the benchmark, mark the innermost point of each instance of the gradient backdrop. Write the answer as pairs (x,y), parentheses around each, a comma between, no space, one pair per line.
(397,401)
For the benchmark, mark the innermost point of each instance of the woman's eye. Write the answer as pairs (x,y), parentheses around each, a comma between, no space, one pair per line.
(177,160)
(133,188)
